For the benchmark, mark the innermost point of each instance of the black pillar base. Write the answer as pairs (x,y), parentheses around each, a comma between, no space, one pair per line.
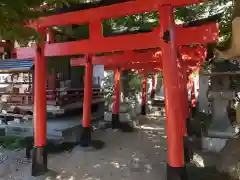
(176,173)
(28,147)
(39,161)
(143,109)
(153,92)
(193,111)
(115,121)
(188,152)
(85,136)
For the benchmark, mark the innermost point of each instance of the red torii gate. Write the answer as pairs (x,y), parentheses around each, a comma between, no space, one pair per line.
(98,43)
(145,67)
(146,61)
(153,67)
(195,53)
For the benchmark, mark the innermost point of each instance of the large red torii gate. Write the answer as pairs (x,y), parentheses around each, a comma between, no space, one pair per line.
(178,35)
(98,43)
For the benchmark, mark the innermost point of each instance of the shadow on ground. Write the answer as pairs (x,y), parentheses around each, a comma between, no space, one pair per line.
(206,173)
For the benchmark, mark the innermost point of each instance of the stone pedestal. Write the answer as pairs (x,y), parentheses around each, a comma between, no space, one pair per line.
(202,96)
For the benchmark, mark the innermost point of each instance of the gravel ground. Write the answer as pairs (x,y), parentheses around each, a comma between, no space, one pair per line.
(139,155)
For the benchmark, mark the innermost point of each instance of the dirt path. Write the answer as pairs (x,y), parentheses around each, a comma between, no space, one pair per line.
(140,155)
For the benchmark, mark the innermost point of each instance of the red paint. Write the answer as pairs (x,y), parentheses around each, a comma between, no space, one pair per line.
(118,43)
(87,101)
(144,90)
(185,92)
(40,98)
(189,54)
(144,71)
(152,65)
(197,53)
(194,34)
(96,31)
(184,96)
(116,101)
(172,92)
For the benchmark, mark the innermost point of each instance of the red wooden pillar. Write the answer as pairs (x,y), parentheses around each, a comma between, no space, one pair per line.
(185,76)
(185,113)
(116,100)
(144,95)
(184,95)
(39,159)
(153,91)
(85,138)
(176,169)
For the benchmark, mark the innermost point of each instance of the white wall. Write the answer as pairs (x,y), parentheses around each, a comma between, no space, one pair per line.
(98,71)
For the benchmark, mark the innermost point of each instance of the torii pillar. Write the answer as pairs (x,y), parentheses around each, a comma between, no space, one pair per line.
(85,138)
(39,157)
(116,100)
(176,169)
(182,80)
(153,91)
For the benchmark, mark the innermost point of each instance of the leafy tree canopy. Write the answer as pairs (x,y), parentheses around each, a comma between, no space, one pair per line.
(15,14)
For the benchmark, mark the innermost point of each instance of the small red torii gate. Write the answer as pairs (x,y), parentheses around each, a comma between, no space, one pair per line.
(179,35)
(153,67)
(145,62)
(145,68)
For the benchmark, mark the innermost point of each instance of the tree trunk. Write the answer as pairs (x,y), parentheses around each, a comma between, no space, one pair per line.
(233,50)
(236,8)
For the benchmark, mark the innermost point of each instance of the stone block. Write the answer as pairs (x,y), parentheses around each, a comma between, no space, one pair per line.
(213,144)
(2,131)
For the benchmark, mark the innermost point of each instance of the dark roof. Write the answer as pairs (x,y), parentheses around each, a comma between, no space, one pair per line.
(15,65)
(225,66)
(199,22)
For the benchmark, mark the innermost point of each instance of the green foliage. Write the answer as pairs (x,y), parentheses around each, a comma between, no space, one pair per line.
(12,142)
(15,15)
(108,86)
(135,82)
(199,11)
